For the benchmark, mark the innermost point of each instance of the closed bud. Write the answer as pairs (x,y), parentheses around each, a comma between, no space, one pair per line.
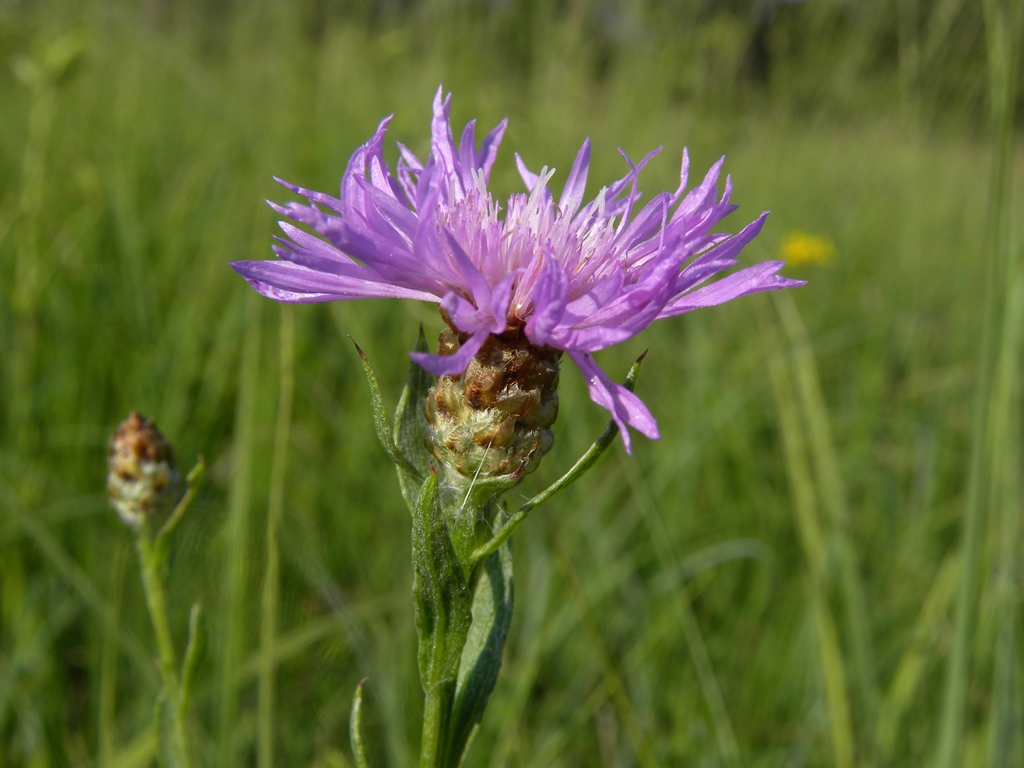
(143,482)
(494,419)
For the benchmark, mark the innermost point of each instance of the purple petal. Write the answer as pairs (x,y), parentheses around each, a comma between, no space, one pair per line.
(528,176)
(699,195)
(314,244)
(626,407)
(589,339)
(576,184)
(291,297)
(442,144)
(471,275)
(321,198)
(501,298)
(760,277)
(549,299)
(718,258)
(467,148)
(599,295)
(293,278)
(684,172)
(489,148)
(466,317)
(326,225)
(451,365)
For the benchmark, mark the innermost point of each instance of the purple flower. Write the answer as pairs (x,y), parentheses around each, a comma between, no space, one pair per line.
(572,276)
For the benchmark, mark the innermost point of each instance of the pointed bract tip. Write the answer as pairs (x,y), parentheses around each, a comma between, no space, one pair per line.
(362,683)
(642,356)
(362,355)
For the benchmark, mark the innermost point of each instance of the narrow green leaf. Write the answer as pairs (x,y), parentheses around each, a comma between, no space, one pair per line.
(192,650)
(355,728)
(440,594)
(411,430)
(193,481)
(481,656)
(380,421)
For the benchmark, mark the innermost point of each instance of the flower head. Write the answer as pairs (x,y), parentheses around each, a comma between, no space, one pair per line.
(801,248)
(142,476)
(571,276)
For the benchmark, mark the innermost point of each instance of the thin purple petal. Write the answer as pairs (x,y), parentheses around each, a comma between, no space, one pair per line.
(760,277)
(626,408)
(550,295)
(451,365)
(293,278)
(576,184)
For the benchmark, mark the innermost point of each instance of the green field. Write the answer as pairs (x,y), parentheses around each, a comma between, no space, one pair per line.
(773,583)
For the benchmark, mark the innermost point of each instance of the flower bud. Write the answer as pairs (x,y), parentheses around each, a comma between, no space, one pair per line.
(142,476)
(494,419)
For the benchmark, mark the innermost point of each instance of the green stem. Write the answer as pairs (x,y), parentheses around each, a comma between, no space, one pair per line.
(271,576)
(725,733)
(236,536)
(151,560)
(1006,495)
(28,266)
(108,662)
(829,487)
(1002,21)
(437,709)
(193,480)
(812,539)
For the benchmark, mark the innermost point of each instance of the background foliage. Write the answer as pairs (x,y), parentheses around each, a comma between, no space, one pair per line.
(770,584)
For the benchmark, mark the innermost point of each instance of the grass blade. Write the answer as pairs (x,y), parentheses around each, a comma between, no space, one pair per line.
(272,567)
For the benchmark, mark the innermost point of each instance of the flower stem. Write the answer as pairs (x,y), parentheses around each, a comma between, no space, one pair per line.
(1003,23)
(271,577)
(437,709)
(151,559)
(235,573)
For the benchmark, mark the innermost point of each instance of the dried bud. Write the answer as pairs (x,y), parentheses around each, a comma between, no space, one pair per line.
(494,419)
(142,476)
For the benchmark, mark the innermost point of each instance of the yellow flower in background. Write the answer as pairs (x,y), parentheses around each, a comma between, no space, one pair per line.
(803,248)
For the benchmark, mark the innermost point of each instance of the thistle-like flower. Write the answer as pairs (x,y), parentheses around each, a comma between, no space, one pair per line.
(143,482)
(546,276)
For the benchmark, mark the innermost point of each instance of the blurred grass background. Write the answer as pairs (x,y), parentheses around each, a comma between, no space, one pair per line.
(771,584)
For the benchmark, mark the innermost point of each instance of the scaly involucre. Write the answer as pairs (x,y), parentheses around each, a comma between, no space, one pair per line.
(572,276)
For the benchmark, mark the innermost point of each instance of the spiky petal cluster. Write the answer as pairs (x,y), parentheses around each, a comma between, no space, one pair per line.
(575,277)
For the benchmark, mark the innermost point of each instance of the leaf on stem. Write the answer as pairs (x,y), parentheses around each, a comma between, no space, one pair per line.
(481,656)
(355,728)
(410,431)
(441,597)
(194,478)
(380,420)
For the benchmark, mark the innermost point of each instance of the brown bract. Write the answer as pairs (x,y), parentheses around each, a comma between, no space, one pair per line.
(142,474)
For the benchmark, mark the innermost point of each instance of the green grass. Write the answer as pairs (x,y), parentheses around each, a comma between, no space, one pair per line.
(770,584)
